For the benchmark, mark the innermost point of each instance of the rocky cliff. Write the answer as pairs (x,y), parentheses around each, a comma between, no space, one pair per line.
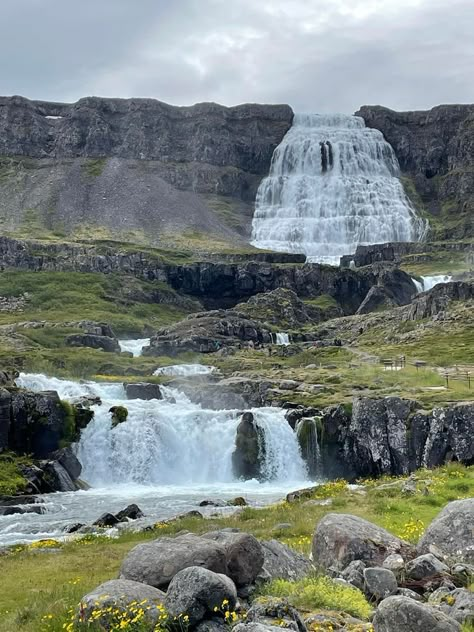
(435,149)
(134,164)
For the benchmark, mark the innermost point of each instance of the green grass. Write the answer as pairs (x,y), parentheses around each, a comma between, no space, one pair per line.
(37,581)
(94,167)
(11,479)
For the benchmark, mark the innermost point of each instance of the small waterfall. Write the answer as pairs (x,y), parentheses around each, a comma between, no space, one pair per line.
(170,441)
(134,346)
(428,282)
(282,339)
(185,370)
(332,186)
(307,433)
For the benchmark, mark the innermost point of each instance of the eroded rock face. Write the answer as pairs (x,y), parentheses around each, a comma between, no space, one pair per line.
(340,539)
(451,532)
(435,149)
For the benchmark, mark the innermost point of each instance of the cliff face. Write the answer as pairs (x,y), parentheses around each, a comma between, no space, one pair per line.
(435,149)
(132,164)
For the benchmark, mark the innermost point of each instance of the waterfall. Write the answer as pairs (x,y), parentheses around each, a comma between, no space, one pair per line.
(134,346)
(332,186)
(307,434)
(185,370)
(170,441)
(428,282)
(282,339)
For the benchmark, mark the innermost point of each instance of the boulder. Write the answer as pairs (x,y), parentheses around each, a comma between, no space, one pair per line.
(119,415)
(354,574)
(22,509)
(215,624)
(132,512)
(281,562)
(69,461)
(244,555)
(451,532)
(249,445)
(459,604)
(394,563)
(256,627)
(121,594)
(425,566)
(342,538)
(143,390)
(402,614)
(196,591)
(272,610)
(157,562)
(379,583)
(106,520)
(56,478)
(110,345)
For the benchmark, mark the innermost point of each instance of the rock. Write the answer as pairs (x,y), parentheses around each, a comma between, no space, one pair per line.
(216,624)
(55,478)
(273,610)
(301,494)
(411,594)
(73,528)
(196,591)
(119,415)
(213,503)
(256,627)
(143,391)
(282,562)
(247,457)
(110,345)
(341,538)
(121,594)
(69,461)
(239,501)
(5,405)
(157,562)
(8,501)
(459,604)
(132,512)
(244,555)
(12,510)
(451,532)
(377,299)
(106,520)
(402,614)
(394,563)
(379,582)
(354,574)
(425,566)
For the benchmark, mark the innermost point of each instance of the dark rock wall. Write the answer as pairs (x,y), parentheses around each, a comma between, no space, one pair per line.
(435,149)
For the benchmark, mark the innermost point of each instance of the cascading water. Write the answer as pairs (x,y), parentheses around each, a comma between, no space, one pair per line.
(428,282)
(282,339)
(134,346)
(185,370)
(167,456)
(332,186)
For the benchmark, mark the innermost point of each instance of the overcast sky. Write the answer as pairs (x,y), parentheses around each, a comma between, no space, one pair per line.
(316,55)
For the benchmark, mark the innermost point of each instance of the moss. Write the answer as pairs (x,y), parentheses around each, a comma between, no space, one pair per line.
(119,415)
(11,479)
(94,167)
(69,426)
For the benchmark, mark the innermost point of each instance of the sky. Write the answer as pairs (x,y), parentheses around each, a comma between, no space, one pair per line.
(316,55)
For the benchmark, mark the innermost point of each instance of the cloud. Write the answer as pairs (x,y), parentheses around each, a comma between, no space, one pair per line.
(317,55)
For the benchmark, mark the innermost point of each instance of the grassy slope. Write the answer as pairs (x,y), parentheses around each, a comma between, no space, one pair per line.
(41,581)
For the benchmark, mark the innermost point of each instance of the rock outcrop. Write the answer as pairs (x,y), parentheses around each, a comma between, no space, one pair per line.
(435,150)
(450,533)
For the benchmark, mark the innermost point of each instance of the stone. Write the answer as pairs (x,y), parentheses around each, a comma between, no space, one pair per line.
(239,501)
(342,538)
(143,391)
(379,582)
(451,532)
(213,503)
(69,461)
(354,574)
(273,610)
(215,624)
(132,512)
(5,405)
(157,562)
(394,563)
(196,591)
(244,555)
(459,604)
(402,614)
(106,520)
(247,456)
(119,415)
(120,594)
(282,562)
(56,478)
(407,592)
(23,509)
(425,566)
(110,345)
(256,627)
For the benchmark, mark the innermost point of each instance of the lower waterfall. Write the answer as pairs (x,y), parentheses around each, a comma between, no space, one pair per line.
(135,347)
(428,282)
(332,186)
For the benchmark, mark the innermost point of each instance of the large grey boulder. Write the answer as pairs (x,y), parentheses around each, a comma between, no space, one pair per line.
(402,614)
(120,594)
(379,583)
(244,555)
(157,562)
(425,566)
(451,532)
(340,539)
(354,574)
(143,390)
(196,591)
(282,562)
(274,609)
(105,343)
(459,604)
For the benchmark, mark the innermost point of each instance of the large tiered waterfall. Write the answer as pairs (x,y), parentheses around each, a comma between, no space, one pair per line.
(167,456)
(332,185)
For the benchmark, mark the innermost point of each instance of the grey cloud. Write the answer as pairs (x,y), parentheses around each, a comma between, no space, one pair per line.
(330,55)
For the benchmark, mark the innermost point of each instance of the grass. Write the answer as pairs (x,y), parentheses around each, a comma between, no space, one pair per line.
(50,579)
(94,167)
(11,479)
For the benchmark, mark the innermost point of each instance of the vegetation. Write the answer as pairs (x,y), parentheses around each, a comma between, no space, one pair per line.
(11,479)
(49,577)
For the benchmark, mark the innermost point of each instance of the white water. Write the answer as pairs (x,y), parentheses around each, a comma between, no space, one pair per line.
(332,185)
(134,346)
(282,339)
(428,282)
(169,455)
(185,370)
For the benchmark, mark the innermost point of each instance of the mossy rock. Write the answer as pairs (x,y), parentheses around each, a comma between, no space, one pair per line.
(119,415)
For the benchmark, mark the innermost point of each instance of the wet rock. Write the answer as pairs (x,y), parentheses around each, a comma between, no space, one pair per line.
(143,390)
(244,555)
(425,566)
(301,494)
(7,501)
(56,478)
(247,457)
(157,562)
(402,614)
(106,520)
(379,583)
(73,528)
(282,562)
(213,503)
(239,501)
(196,591)
(69,461)
(342,538)
(451,532)
(132,512)
(23,509)
(119,415)
(110,345)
